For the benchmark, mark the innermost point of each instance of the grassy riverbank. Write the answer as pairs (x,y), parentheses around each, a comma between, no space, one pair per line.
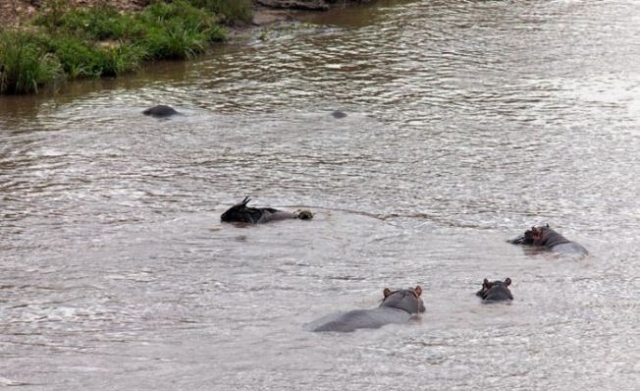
(65,42)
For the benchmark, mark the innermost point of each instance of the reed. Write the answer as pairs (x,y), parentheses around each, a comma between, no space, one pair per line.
(25,64)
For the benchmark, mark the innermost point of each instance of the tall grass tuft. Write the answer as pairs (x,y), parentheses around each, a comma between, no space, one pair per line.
(25,64)
(177,30)
(97,23)
(174,42)
(122,58)
(82,58)
(229,11)
(52,13)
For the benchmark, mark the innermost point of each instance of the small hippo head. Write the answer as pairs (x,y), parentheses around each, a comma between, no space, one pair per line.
(495,291)
(529,236)
(546,237)
(404,299)
(538,234)
(241,213)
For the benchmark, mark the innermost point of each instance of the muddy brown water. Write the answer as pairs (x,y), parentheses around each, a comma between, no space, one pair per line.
(468,121)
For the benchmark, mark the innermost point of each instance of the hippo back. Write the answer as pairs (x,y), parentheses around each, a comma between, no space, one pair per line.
(396,307)
(548,238)
(161,111)
(570,248)
(359,319)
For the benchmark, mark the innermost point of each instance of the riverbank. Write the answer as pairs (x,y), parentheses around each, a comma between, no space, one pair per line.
(44,43)
(17,12)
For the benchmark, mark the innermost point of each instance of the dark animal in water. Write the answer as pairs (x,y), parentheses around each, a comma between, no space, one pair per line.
(546,238)
(495,291)
(396,307)
(241,213)
(161,111)
(338,114)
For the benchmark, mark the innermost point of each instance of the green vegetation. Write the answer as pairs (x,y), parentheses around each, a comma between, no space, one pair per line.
(66,42)
(24,64)
(229,11)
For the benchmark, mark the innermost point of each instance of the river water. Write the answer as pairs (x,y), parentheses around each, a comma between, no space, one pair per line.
(468,121)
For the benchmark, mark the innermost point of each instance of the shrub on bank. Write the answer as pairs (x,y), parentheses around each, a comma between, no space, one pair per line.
(101,41)
(24,64)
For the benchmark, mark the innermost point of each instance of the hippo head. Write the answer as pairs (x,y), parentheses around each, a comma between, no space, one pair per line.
(496,290)
(241,213)
(529,237)
(404,299)
(538,234)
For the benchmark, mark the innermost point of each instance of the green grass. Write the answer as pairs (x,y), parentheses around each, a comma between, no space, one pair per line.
(177,30)
(228,10)
(80,58)
(100,23)
(101,41)
(25,64)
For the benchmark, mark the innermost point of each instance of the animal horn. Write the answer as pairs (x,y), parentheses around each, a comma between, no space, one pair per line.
(246,200)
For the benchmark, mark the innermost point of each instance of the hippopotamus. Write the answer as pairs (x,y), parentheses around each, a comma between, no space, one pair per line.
(546,238)
(396,307)
(241,213)
(338,114)
(495,291)
(161,111)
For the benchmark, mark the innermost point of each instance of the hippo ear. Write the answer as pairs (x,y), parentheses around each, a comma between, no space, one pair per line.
(417,291)
(507,281)
(386,292)
(486,284)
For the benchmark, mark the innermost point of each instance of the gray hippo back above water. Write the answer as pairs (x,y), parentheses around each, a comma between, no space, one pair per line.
(338,114)
(396,307)
(241,213)
(161,111)
(546,238)
(495,291)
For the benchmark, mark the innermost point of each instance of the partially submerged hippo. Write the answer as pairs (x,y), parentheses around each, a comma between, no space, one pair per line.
(338,114)
(495,291)
(546,238)
(241,213)
(161,111)
(396,307)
